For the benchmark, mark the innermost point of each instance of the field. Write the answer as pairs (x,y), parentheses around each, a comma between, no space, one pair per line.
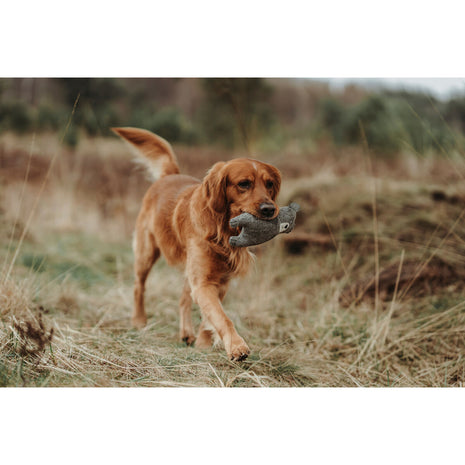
(367,291)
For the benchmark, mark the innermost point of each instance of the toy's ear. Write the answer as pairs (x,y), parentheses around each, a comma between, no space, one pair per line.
(295,206)
(214,187)
(276,175)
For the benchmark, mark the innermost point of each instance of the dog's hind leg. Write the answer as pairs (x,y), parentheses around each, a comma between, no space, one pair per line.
(207,334)
(146,254)
(185,307)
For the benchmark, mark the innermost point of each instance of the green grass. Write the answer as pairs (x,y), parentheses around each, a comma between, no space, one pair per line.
(80,258)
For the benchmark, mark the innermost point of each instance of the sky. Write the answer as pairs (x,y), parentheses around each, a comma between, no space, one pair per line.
(442,88)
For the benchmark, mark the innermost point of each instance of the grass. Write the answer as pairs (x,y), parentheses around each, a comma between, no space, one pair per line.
(65,306)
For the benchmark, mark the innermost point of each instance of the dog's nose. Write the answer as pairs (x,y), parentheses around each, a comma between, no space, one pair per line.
(267,210)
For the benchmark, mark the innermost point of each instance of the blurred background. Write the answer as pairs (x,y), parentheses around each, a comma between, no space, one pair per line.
(301,125)
(420,115)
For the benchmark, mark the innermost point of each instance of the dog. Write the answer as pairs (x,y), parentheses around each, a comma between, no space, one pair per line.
(187,221)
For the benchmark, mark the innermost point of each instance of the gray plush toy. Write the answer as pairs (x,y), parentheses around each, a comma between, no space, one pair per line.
(256,231)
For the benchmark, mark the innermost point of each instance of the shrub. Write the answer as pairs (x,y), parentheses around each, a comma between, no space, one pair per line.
(390,122)
(331,115)
(49,118)
(71,137)
(96,120)
(421,120)
(167,122)
(373,119)
(15,116)
(235,111)
(454,113)
(95,111)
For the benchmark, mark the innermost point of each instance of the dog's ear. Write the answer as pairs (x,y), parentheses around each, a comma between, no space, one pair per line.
(276,176)
(214,187)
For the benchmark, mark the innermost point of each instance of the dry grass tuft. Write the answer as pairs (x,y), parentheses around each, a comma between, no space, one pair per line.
(32,336)
(13,299)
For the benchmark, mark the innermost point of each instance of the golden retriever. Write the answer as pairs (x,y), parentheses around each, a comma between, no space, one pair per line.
(187,221)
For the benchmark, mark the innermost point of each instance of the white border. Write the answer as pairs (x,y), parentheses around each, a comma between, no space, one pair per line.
(242,38)
(167,425)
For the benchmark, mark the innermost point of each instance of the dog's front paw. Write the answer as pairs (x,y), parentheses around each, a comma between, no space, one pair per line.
(139,322)
(238,350)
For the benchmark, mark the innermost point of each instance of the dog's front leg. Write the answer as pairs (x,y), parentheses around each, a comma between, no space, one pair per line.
(208,298)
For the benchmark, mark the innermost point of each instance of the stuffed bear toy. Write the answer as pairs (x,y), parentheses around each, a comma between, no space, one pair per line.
(256,231)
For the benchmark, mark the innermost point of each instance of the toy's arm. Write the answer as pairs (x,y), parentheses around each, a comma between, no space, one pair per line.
(239,221)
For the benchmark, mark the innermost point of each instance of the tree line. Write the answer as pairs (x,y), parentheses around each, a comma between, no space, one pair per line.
(235,112)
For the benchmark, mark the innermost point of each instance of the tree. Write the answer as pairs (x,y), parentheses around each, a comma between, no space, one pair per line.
(235,109)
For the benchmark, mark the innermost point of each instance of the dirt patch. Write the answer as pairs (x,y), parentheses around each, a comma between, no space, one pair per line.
(298,242)
(413,278)
(453,199)
(14,164)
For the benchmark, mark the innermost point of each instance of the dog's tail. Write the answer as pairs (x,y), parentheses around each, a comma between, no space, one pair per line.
(158,156)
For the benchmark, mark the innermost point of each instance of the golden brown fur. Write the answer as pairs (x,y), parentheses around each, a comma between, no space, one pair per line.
(187,221)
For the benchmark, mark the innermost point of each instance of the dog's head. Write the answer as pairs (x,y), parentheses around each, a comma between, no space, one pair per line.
(243,186)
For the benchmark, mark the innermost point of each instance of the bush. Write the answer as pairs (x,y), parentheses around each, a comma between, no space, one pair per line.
(16,116)
(96,120)
(422,123)
(331,115)
(375,120)
(235,111)
(167,122)
(95,111)
(93,91)
(49,118)
(390,123)
(454,113)
(71,137)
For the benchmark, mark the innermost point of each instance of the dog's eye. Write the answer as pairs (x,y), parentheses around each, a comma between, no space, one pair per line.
(269,184)
(246,184)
